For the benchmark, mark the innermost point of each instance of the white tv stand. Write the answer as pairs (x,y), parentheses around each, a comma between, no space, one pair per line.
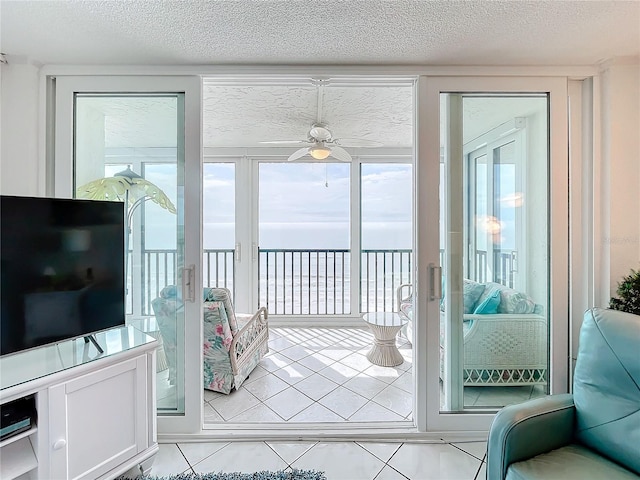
(96,413)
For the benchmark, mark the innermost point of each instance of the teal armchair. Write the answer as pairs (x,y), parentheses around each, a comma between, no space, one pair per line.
(593,433)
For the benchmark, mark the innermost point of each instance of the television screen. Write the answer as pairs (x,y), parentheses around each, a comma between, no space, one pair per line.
(62,269)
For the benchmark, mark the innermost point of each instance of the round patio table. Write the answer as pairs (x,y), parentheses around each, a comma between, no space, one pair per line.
(384,326)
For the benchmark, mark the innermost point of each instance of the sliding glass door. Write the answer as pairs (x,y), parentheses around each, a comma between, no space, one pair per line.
(504,309)
(492,291)
(126,149)
(128,143)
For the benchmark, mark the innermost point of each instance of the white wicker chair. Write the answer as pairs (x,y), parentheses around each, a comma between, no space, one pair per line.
(499,349)
(234,343)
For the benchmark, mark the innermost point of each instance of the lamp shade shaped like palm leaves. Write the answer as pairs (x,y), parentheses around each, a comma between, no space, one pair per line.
(129,187)
(125,186)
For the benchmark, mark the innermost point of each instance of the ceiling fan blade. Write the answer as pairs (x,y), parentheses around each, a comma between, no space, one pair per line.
(286,142)
(298,154)
(358,142)
(340,154)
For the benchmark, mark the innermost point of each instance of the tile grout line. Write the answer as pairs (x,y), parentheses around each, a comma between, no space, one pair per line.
(480,467)
(185,458)
(393,455)
(290,465)
(468,453)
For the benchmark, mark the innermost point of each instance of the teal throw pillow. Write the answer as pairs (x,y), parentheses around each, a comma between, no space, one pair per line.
(489,304)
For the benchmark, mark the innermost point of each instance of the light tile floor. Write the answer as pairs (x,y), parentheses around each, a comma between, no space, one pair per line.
(339,460)
(318,375)
(323,375)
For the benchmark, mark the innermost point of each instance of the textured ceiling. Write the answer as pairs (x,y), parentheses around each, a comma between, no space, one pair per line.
(290,32)
(349,32)
(281,112)
(245,115)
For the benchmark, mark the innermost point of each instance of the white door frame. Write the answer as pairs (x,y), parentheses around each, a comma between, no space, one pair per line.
(66,86)
(427,413)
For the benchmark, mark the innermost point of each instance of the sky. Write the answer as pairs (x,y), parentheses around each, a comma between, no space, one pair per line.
(306,206)
(301,205)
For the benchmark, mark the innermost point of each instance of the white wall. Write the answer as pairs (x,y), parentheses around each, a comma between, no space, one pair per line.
(19,140)
(620,179)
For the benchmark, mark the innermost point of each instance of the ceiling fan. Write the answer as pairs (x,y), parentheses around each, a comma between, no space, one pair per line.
(321,144)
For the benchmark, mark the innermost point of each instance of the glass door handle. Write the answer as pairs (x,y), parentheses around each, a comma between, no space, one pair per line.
(435,282)
(188,283)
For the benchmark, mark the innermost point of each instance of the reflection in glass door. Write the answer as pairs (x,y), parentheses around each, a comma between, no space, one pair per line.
(494,312)
(128,148)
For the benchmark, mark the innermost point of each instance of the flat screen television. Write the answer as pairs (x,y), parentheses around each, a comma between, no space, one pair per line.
(62,269)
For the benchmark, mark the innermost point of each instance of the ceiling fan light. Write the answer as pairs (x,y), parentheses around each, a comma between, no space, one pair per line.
(319,152)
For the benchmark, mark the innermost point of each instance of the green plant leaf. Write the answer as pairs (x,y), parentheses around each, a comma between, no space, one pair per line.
(628,294)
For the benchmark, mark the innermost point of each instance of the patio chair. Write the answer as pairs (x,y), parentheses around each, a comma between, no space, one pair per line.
(505,335)
(233,343)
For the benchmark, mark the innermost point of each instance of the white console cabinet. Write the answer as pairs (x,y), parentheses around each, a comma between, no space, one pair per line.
(96,413)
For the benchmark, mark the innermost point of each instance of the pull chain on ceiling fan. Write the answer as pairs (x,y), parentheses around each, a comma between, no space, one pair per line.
(320,143)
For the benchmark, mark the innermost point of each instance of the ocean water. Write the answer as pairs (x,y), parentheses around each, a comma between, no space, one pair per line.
(318,283)
(311,235)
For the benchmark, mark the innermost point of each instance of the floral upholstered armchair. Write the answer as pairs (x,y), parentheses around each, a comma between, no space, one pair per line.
(233,343)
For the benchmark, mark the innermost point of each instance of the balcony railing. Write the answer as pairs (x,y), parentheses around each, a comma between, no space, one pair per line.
(309,282)
(304,282)
(382,271)
(318,282)
(159,270)
(219,268)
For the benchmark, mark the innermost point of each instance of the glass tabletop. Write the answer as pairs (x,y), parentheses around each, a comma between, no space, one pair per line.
(21,367)
(385,319)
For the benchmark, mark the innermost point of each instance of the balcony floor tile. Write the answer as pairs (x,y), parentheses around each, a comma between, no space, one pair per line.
(324,374)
